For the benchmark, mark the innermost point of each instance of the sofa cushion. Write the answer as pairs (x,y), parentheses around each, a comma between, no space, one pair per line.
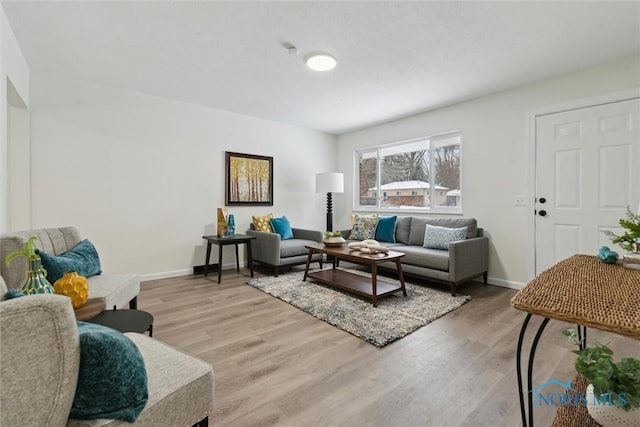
(294,247)
(364,227)
(429,258)
(439,237)
(179,396)
(263,223)
(282,227)
(403,226)
(112,379)
(418,226)
(386,229)
(51,240)
(82,258)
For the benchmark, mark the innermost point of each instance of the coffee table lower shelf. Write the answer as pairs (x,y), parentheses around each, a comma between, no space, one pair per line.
(354,283)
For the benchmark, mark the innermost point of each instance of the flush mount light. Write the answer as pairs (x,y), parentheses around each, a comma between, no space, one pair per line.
(321,62)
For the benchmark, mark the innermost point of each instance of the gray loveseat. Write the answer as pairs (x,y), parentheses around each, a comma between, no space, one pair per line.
(271,250)
(40,365)
(464,260)
(117,290)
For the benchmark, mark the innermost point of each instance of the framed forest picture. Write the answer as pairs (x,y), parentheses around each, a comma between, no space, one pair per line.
(248,180)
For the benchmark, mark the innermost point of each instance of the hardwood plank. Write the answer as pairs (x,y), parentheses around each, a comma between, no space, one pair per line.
(278,366)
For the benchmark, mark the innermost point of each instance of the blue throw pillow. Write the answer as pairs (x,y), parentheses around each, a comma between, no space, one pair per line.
(82,258)
(112,380)
(386,229)
(282,227)
(14,293)
(439,237)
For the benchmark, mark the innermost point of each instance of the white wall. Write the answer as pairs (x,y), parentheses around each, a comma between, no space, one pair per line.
(13,71)
(495,156)
(19,163)
(142,176)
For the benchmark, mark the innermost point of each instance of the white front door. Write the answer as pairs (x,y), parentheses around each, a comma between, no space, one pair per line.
(587,171)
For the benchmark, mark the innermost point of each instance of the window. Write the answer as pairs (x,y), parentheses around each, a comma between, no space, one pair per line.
(411,170)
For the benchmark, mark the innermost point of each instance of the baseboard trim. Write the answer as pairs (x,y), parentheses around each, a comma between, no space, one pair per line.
(505,283)
(166,274)
(199,269)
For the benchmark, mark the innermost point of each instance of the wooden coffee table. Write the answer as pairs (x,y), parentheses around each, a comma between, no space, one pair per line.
(372,288)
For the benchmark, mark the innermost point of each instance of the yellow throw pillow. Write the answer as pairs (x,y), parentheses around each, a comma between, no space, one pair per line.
(263,223)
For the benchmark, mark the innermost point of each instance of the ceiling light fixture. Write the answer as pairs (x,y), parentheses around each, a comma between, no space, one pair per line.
(321,62)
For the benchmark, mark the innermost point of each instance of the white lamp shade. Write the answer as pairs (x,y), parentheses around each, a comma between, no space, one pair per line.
(329,182)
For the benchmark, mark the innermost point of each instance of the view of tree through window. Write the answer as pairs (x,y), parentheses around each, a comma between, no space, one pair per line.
(419,174)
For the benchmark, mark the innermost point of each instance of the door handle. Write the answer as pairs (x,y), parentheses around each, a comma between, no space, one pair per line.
(542,213)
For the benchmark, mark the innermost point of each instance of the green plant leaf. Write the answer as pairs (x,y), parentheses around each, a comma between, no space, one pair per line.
(28,251)
(596,364)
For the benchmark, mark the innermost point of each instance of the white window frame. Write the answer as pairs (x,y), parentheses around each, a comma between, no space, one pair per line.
(432,142)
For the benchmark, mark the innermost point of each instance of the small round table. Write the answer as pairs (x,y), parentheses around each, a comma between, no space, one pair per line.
(125,320)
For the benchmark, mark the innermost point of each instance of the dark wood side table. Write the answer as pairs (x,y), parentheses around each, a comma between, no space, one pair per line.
(125,320)
(236,240)
(580,290)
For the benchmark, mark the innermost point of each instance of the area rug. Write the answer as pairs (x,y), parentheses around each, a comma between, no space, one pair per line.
(395,317)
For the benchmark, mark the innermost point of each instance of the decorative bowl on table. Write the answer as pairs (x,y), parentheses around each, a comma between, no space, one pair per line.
(333,241)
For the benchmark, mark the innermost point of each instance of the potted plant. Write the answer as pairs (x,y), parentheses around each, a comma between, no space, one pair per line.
(333,238)
(35,281)
(613,394)
(629,240)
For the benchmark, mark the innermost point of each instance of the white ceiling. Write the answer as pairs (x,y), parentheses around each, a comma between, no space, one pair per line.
(394,58)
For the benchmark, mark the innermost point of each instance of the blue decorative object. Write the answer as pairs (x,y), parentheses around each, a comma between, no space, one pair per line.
(82,258)
(282,227)
(386,229)
(112,380)
(608,256)
(231,231)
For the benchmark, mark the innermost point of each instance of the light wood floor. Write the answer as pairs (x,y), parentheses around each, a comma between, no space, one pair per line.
(278,366)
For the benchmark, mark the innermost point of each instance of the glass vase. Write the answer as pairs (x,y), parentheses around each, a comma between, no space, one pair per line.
(35,281)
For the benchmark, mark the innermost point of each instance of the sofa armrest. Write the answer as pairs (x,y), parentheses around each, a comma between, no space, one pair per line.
(266,247)
(300,233)
(468,258)
(39,361)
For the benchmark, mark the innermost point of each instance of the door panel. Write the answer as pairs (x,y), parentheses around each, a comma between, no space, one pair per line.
(587,170)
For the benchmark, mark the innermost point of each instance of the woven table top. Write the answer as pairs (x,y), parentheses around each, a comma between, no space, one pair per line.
(585,291)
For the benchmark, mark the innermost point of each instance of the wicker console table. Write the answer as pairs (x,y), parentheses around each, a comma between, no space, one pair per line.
(580,290)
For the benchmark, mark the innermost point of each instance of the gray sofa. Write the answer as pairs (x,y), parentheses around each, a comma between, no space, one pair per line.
(117,290)
(463,261)
(269,249)
(40,362)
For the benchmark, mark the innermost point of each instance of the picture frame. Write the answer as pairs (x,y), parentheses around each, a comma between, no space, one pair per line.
(248,180)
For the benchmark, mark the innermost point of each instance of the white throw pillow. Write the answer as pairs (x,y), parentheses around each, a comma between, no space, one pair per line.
(439,237)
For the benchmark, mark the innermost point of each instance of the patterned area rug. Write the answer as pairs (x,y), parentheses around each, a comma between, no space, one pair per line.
(395,317)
